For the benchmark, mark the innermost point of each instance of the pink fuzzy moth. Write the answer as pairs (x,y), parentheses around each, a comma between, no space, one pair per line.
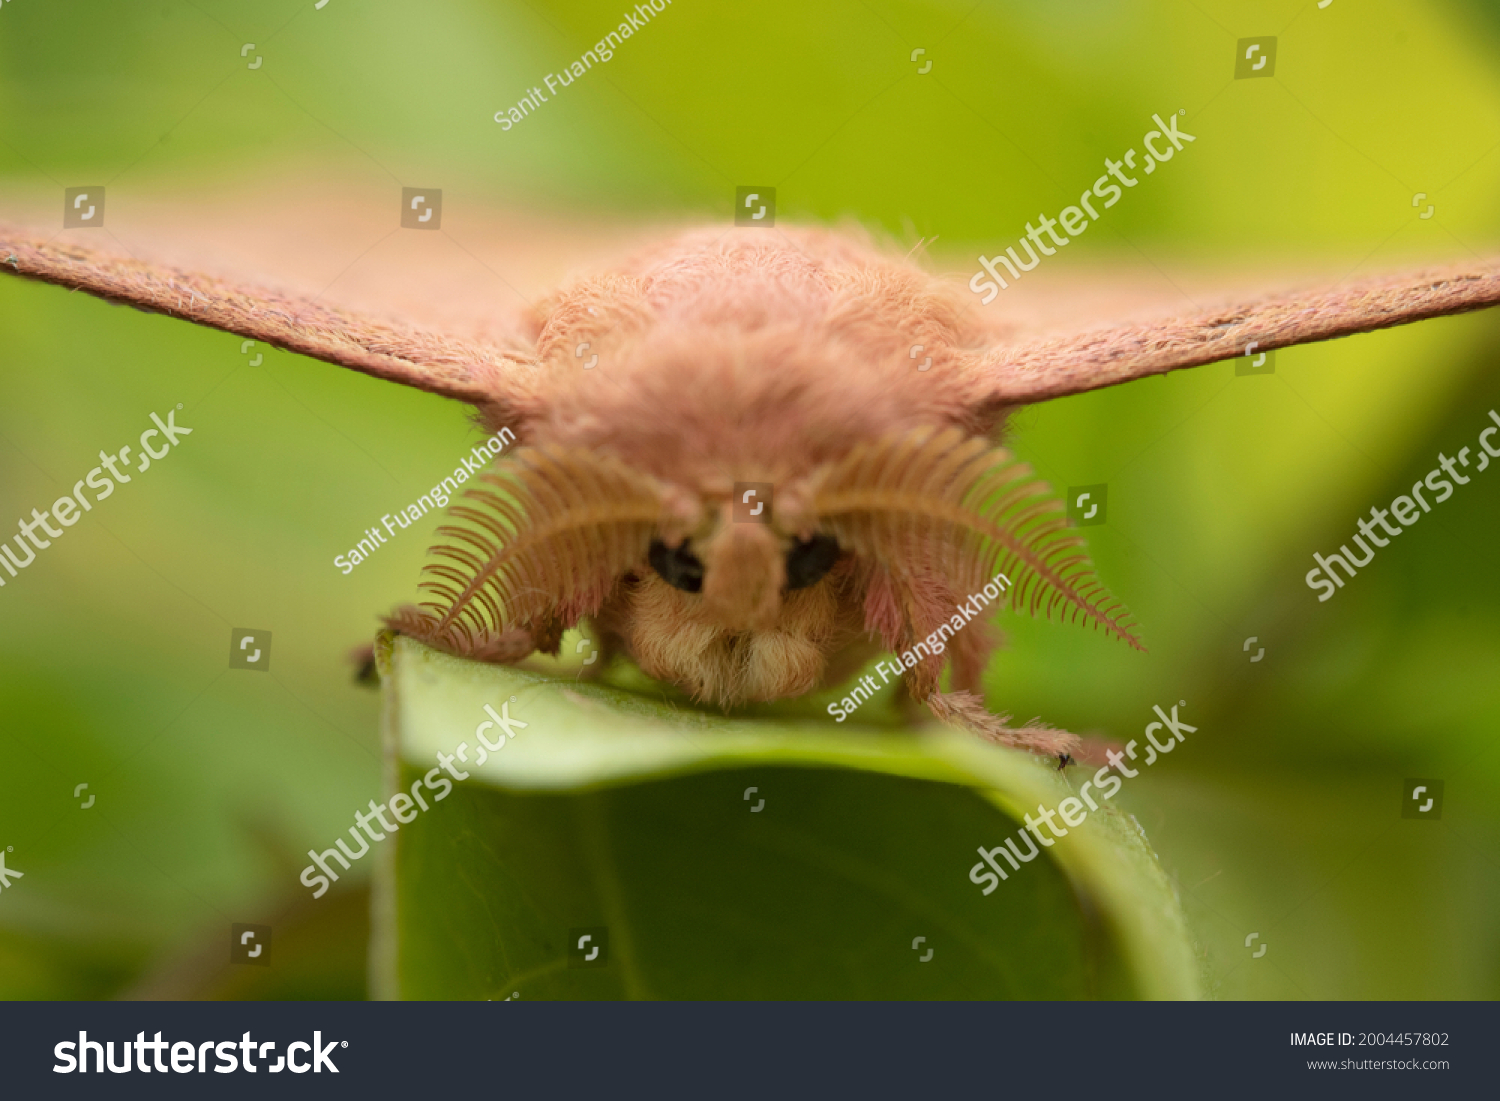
(782,359)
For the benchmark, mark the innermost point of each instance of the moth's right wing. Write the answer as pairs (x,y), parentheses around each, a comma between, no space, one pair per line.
(1021,371)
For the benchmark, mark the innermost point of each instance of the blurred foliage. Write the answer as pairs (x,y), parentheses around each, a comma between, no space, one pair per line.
(1283,817)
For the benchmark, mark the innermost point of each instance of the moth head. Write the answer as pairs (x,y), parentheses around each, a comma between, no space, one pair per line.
(736,601)
(741,549)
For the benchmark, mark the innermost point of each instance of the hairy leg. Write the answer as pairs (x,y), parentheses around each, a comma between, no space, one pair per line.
(967,655)
(967,712)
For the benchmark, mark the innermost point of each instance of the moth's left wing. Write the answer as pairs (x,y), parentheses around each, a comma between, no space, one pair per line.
(1037,370)
(468,370)
(317,260)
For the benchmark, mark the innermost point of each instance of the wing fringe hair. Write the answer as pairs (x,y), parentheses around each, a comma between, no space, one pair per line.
(543,541)
(961,510)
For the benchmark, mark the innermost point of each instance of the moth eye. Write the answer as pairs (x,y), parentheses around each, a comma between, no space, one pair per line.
(678,567)
(807,562)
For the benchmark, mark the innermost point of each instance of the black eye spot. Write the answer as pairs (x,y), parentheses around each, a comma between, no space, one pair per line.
(806,563)
(678,567)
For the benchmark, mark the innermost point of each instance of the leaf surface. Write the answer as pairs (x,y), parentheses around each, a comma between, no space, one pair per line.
(612,810)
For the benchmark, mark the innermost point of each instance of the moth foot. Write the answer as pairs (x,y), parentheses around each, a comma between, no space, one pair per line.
(503,648)
(967,712)
(507,647)
(363,660)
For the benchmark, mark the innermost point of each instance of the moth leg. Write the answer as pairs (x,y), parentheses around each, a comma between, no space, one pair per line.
(506,648)
(966,711)
(363,660)
(907,705)
(847,661)
(969,654)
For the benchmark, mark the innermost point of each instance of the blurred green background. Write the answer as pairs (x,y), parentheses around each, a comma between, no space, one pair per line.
(1280,817)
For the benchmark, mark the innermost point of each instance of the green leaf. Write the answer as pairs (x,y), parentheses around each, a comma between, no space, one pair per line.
(611,809)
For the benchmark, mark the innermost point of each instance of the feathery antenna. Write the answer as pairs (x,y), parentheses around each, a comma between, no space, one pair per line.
(542,543)
(939,502)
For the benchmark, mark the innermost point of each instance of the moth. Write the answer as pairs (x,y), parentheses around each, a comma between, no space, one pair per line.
(754,460)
